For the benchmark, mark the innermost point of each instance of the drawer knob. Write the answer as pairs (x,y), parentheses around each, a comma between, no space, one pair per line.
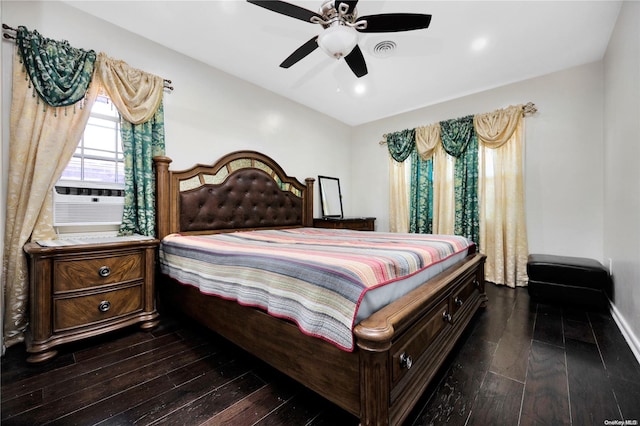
(104,271)
(446,316)
(476,283)
(458,301)
(405,361)
(104,306)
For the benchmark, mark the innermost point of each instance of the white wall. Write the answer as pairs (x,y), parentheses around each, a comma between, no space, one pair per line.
(622,173)
(563,163)
(209,113)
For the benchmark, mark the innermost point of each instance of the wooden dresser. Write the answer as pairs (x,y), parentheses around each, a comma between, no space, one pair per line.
(80,291)
(355,223)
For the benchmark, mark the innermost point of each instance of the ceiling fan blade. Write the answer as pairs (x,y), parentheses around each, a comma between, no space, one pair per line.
(356,62)
(394,22)
(301,52)
(287,9)
(352,4)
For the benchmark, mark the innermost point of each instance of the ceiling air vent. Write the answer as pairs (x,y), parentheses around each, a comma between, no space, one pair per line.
(384,49)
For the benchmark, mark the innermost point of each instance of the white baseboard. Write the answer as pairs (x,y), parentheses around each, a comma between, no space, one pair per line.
(632,339)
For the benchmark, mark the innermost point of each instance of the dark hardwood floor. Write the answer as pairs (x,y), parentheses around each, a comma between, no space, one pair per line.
(520,363)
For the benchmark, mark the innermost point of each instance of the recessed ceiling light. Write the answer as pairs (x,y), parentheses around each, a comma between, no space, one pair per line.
(360,89)
(228,6)
(479,43)
(271,122)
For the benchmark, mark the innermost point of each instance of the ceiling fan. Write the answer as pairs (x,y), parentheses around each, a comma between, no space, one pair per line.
(341,24)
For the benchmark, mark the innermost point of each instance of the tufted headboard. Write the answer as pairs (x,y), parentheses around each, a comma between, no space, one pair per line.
(243,190)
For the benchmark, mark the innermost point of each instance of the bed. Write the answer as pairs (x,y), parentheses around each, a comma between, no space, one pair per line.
(394,351)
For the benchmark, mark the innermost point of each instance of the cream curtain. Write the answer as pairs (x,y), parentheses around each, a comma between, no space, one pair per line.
(136,94)
(41,143)
(398,196)
(444,201)
(503,230)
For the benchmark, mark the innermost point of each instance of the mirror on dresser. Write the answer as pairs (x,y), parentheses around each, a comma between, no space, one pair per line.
(330,196)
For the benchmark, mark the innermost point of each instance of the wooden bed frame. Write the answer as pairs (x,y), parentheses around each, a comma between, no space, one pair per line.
(398,348)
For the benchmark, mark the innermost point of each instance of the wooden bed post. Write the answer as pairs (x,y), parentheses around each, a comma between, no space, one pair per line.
(374,344)
(162,195)
(374,388)
(307,208)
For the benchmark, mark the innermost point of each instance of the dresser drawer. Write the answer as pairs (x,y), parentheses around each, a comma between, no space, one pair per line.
(70,312)
(359,225)
(353,223)
(71,274)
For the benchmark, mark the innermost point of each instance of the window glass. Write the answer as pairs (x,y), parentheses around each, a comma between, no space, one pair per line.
(99,157)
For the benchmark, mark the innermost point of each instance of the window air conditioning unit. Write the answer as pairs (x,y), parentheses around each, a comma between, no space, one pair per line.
(87,206)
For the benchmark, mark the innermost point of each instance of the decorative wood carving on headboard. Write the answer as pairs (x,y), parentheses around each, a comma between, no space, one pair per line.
(242,190)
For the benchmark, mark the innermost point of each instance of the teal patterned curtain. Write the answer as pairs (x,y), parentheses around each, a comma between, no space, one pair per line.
(421,195)
(140,143)
(401,144)
(459,140)
(60,74)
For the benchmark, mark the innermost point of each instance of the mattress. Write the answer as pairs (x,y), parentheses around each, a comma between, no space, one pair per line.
(324,280)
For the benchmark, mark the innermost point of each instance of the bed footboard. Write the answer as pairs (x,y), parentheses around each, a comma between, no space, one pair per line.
(399,348)
(403,345)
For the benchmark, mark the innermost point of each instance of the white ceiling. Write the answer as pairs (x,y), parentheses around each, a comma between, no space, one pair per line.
(524,39)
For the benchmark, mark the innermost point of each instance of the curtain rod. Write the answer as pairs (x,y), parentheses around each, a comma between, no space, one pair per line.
(11,37)
(527,109)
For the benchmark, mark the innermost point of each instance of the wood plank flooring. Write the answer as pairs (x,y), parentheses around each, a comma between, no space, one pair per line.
(521,363)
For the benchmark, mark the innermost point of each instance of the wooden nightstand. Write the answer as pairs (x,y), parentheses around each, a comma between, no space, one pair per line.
(354,223)
(83,290)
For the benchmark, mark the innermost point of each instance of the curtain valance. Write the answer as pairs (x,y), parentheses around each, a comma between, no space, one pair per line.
(495,128)
(456,135)
(427,138)
(136,94)
(60,74)
(401,144)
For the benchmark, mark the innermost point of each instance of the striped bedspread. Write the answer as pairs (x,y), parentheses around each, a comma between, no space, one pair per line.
(311,276)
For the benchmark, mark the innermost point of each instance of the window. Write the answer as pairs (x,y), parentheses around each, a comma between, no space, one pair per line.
(89,197)
(98,157)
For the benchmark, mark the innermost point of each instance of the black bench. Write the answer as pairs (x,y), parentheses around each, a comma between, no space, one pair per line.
(573,280)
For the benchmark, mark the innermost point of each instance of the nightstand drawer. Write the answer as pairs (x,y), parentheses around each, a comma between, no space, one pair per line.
(70,274)
(84,310)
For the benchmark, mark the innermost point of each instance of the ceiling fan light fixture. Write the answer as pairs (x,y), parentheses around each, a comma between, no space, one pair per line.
(338,40)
